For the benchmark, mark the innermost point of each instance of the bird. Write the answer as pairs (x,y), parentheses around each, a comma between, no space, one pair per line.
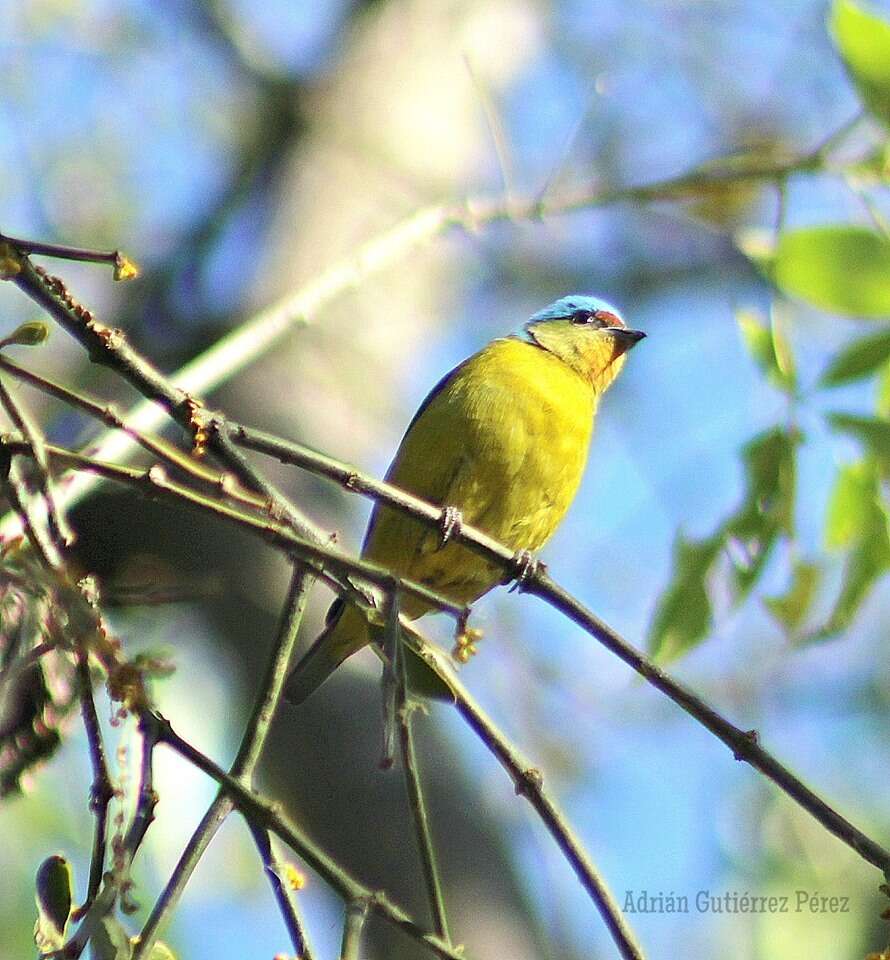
(501,442)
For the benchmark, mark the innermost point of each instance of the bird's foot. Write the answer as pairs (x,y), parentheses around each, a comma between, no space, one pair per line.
(450,524)
(525,566)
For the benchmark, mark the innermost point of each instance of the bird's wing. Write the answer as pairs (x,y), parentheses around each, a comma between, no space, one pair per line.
(463,449)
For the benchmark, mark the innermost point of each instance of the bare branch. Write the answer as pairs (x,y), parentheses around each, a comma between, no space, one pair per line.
(270,816)
(417,803)
(744,746)
(252,744)
(281,889)
(102,789)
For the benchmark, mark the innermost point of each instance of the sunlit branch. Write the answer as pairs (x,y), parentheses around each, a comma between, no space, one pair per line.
(269,815)
(744,746)
(417,803)
(102,789)
(254,338)
(242,770)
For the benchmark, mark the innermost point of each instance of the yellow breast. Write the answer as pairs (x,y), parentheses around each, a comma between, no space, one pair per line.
(503,438)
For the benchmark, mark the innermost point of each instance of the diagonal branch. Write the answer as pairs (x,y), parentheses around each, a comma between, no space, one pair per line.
(270,816)
(242,770)
(744,746)
(281,889)
(254,338)
(417,803)
(102,789)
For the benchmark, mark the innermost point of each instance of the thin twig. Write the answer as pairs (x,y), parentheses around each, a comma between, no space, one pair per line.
(147,799)
(276,673)
(417,803)
(167,453)
(529,782)
(279,505)
(282,889)
(19,498)
(62,251)
(390,678)
(58,529)
(495,125)
(356,915)
(102,789)
(744,745)
(270,816)
(251,748)
(323,560)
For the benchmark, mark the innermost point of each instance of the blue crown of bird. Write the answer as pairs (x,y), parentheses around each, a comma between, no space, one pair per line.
(502,440)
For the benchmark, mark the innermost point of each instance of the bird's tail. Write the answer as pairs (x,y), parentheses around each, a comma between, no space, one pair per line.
(345,633)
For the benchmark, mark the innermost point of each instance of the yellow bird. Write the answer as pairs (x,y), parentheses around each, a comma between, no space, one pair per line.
(503,438)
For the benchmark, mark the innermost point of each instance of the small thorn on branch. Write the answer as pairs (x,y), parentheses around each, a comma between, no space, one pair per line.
(528,781)
(742,752)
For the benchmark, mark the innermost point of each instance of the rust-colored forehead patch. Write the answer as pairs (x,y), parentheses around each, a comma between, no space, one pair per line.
(608,318)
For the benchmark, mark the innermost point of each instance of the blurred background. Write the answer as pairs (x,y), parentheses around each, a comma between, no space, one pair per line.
(235,150)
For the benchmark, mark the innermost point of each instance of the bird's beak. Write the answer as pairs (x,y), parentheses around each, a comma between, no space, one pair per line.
(625,339)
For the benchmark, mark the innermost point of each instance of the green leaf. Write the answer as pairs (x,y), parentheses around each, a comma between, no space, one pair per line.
(863,41)
(882,400)
(851,505)
(768,347)
(867,562)
(842,269)
(782,348)
(872,432)
(861,358)
(683,616)
(768,508)
(53,894)
(856,519)
(791,608)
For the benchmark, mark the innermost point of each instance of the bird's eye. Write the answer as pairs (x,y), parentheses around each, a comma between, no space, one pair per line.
(593,318)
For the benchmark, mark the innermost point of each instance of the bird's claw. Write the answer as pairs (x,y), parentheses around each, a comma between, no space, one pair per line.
(525,566)
(450,524)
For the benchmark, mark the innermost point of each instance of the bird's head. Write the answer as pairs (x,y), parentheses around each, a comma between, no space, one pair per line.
(587,334)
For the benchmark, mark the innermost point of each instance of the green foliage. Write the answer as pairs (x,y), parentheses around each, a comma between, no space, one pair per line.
(53,895)
(873,433)
(857,520)
(683,617)
(863,41)
(110,941)
(684,614)
(840,268)
(850,507)
(790,609)
(861,359)
(768,347)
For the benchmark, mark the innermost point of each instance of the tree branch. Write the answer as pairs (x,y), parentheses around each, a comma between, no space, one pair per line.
(254,338)
(252,744)
(417,803)
(102,789)
(269,815)
(743,744)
